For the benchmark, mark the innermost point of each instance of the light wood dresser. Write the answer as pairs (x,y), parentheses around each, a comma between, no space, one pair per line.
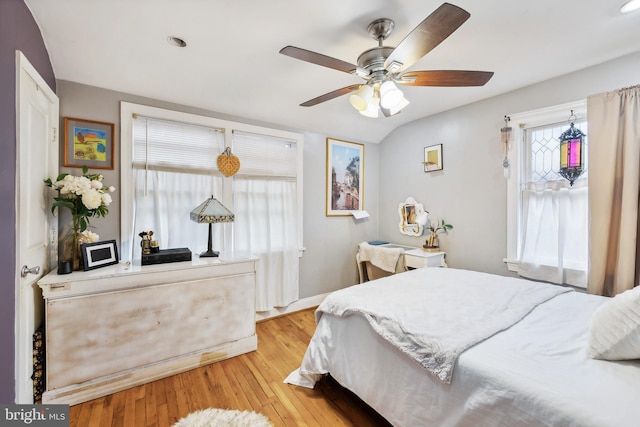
(124,325)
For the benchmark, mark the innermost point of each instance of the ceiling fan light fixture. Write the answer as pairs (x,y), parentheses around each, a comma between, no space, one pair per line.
(372,107)
(388,112)
(630,6)
(362,97)
(390,95)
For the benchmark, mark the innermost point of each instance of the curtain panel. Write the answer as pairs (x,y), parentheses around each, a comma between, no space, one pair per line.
(554,247)
(614,147)
(266,215)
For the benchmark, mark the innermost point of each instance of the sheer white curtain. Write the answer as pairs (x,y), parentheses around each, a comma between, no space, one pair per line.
(173,172)
(266,215)
(265,202)
(614,123)
(554,247)
(164,201)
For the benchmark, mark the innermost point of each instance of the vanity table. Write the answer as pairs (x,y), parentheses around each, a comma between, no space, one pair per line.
(124,325)
(419,258)
(412,258)
(413,218)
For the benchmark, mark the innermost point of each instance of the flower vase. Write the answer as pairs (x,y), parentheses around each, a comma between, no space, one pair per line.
(71,245)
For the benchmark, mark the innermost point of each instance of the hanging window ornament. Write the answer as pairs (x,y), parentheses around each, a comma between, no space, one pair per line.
(571,152)
(506,137)
(228,164)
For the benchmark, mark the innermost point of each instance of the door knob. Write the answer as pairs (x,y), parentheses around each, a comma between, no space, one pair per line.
(26,270)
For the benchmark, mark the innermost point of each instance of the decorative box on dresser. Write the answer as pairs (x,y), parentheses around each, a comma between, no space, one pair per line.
(124,325)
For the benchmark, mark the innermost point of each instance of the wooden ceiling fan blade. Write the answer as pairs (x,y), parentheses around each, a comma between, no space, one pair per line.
(445,78)
(329,96)
(318,59)
(426,36)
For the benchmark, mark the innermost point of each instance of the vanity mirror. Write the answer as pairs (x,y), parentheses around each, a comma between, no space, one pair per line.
(413,217)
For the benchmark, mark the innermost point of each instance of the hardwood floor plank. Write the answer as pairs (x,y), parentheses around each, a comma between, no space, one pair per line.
(252,381)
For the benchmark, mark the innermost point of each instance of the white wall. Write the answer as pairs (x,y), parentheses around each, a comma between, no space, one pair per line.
(331,242)
(470,193)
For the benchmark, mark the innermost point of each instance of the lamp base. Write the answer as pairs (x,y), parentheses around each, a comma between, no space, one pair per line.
(209,254)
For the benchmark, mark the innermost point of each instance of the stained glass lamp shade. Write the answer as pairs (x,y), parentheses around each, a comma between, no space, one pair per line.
(211,211)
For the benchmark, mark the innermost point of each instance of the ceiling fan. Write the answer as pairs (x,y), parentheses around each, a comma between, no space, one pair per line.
(384,67)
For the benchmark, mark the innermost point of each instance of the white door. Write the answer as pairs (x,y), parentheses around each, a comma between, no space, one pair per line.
(36,228)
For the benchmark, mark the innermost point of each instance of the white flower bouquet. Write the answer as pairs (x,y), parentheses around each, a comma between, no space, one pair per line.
(85,196)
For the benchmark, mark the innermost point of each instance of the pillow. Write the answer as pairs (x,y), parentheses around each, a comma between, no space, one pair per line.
(615,328)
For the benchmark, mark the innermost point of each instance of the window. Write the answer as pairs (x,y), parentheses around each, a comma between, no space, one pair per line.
(169,166)
(547,219)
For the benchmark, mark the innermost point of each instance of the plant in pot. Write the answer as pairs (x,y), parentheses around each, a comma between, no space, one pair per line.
(435,228)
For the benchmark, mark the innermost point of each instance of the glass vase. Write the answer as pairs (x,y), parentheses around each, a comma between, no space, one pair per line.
(71,244)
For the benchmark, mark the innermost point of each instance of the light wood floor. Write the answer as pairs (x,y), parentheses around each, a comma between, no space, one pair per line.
(252,381)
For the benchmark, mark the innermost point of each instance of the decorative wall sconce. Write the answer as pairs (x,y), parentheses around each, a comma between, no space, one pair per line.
(505,132)
(571,152)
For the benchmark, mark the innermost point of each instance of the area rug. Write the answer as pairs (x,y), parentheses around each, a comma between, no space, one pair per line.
(223,418)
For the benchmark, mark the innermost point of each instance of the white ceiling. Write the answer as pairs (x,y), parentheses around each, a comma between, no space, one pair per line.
(232,66)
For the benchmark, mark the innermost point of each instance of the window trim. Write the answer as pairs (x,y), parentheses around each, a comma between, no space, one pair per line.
(127,112)
(516,156)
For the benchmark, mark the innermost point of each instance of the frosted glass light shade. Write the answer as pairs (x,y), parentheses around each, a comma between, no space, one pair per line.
(390,95)
(630,6)
(360,99)
(388,112)
(372,108)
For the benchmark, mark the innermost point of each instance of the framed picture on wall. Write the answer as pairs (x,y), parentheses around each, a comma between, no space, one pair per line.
(88,143)
(345,177)
(433,158)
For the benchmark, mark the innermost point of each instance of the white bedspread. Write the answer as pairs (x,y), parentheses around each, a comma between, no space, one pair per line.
(535,373)
(434,314)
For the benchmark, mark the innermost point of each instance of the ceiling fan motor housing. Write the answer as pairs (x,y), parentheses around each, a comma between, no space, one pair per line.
(373,60)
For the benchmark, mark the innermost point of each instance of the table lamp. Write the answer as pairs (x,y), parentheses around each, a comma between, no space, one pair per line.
(209,212)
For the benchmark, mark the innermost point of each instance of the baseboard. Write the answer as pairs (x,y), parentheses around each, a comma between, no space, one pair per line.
(301,304)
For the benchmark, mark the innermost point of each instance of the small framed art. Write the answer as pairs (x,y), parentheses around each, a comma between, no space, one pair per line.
(345,177)
(99,254)
(88,143)
(433,158)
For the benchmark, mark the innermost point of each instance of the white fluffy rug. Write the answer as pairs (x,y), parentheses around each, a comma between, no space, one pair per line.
(223,418)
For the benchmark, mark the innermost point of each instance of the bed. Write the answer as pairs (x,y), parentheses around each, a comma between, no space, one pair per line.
(527,360)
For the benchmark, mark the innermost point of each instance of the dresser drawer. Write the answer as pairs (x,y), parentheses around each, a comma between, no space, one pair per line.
(417,258)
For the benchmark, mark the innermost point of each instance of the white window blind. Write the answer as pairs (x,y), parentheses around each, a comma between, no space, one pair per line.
(173,146)
(265,156)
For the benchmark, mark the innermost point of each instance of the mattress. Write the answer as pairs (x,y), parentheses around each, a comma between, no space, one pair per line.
(535,373)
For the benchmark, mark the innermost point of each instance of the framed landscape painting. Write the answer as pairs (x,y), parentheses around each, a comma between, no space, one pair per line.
(345,177)
(88,143)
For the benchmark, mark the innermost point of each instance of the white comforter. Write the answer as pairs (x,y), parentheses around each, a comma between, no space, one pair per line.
(535,373)
(434,314)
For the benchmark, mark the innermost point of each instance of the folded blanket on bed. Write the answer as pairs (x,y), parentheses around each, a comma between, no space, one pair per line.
(434,314)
